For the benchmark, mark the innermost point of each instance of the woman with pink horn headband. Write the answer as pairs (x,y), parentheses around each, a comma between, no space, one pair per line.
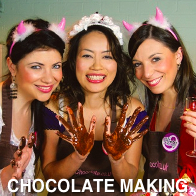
(35,51)
(161,63)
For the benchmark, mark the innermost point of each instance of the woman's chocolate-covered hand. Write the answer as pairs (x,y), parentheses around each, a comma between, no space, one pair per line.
(81,139)
(118,142)
(22,156)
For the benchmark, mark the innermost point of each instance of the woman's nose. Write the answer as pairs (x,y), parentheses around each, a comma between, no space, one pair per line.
(148,70)
(97,65)
(47,77)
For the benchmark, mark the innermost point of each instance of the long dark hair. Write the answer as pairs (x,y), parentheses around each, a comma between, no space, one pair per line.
(118,90)
(185,81)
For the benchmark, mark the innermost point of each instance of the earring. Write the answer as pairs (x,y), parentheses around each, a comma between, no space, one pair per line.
(178,66)
(13,89)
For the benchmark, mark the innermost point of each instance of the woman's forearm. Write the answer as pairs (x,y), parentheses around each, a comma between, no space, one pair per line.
(6,175)
(64,168)
(121,169)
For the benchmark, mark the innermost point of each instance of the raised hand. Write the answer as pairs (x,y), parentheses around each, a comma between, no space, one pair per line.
(190,125)
(22,156)
(81,139)
(118,142)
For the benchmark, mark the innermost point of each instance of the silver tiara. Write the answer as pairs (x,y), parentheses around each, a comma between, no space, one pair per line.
(97,19)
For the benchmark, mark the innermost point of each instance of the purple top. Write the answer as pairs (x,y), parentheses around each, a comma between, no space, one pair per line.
(52,123)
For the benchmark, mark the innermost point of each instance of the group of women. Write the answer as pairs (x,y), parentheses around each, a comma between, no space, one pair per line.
(79,117)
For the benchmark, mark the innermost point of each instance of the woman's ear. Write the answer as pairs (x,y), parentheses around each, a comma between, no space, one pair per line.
(11,66)
(179,55)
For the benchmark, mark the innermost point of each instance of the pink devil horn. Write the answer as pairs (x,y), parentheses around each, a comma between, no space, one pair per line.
(61,25)
(128,26)
(159,15)
(21,28)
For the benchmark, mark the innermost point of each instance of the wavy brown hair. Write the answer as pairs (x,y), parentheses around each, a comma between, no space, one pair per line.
(185,80)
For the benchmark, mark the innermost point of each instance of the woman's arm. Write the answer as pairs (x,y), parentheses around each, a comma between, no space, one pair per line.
(53,169)
(4,189)
(6,175)
(127,166)
(15,170)
(65,168)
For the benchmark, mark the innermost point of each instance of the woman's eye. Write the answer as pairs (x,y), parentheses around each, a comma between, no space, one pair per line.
(156,59)
(57,66)
(35,67)
(108,57)
(86,56)
(136,64)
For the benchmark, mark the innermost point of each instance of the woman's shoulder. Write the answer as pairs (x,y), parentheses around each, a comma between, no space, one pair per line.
(133,104)
(52,103)
(56,103)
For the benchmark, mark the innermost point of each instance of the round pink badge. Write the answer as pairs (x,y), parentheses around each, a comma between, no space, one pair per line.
(170,142)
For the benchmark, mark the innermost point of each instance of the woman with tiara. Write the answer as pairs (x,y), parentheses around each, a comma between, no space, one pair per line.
(101,142)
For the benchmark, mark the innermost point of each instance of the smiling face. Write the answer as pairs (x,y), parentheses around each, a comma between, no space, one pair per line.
(156,65)
(38,74)
(95,66)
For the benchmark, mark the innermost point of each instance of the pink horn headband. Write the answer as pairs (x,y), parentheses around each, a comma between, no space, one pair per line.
(159,15)
(20,30)
(59,29)
(23,30)
(61,25)
(128,26)
(158,20)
